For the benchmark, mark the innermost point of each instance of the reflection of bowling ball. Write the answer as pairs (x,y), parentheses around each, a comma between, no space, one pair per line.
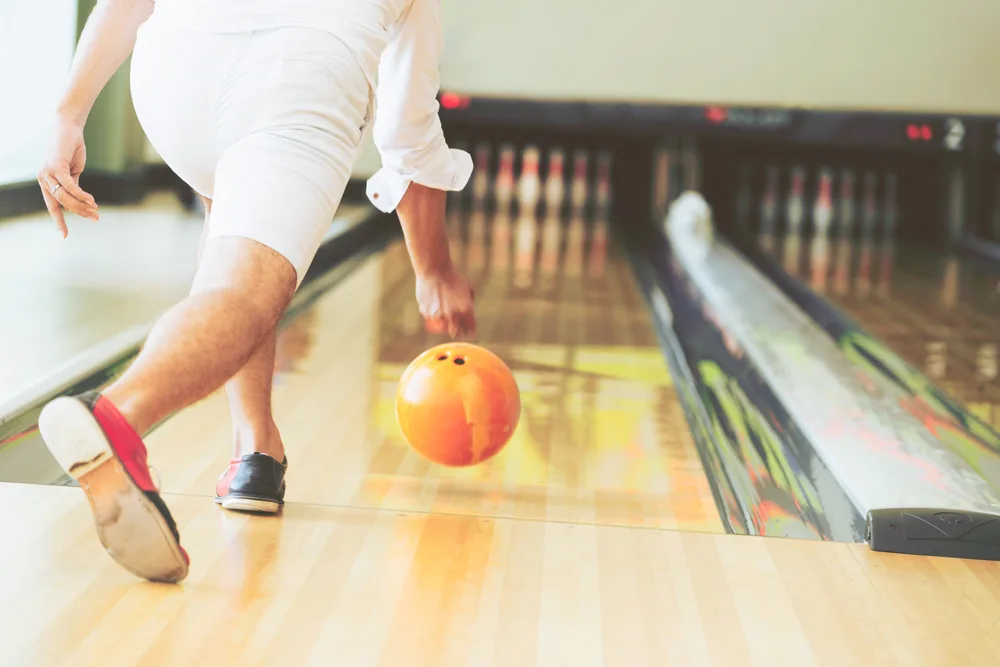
(457,404)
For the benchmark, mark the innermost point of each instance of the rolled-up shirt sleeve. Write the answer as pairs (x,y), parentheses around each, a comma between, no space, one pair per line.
(407,129)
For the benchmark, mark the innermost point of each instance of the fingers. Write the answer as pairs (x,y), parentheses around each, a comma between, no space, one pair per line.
(55,210)
(60,190)
(456,325)
(75,198)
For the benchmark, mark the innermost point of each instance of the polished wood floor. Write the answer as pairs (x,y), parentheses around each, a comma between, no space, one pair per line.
(602,438)
(355,587)
(591,540)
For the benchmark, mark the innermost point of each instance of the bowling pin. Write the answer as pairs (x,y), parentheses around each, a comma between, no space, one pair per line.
(529,185)
(503,188)
(869,204)
(602,184)
(481,175)
(769,208)
(525,242)
(846,207)
(555,184)
(823,206)
(890,213)
(795,208)
(578,187)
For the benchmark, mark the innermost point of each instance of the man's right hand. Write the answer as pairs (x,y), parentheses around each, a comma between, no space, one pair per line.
(446,300)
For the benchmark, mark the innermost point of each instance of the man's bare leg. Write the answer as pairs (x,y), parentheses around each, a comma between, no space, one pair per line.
(240,291)
(249,392)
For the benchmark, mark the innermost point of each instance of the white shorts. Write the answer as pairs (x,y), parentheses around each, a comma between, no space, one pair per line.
(266,124)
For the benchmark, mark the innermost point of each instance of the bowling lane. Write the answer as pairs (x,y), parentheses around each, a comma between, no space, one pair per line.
(938,311)
(602,437)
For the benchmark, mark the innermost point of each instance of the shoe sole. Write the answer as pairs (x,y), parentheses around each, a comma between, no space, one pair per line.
(249,504)
(130,527)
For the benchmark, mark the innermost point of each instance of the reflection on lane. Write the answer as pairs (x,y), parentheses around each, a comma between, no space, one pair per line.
(602,436)
(930,323)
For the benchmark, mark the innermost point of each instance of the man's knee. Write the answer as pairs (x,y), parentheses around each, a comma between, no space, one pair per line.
(259,278)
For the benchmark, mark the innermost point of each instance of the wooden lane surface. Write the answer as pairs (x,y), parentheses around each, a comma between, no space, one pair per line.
(602,438)
(368,588)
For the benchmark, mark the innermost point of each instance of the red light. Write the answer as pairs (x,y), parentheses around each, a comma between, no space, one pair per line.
(919,132)
(453,101)
(716,114)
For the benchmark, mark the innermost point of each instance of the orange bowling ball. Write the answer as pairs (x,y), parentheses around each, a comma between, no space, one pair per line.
(458,404)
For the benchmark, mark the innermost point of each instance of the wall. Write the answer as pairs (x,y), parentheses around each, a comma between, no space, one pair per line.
(923,55)
(889,55)
(37,39)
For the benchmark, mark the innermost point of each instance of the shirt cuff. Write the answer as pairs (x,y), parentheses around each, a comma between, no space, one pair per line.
(449,171)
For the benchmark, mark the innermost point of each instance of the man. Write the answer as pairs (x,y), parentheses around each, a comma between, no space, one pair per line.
(261,106)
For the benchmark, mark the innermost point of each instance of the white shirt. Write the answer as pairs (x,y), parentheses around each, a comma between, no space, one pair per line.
(400,40)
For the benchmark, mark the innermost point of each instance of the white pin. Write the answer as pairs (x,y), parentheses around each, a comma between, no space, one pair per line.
(846,207)
(869,205)
(823,207)
(529,186)
(504,186)
(890,210)
(602,185)
(795,210)
(481,175)
(769,207)
(525,242)
(555,182)
(578,188)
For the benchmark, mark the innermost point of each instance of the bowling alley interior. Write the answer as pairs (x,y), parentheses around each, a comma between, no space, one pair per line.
(733,398)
